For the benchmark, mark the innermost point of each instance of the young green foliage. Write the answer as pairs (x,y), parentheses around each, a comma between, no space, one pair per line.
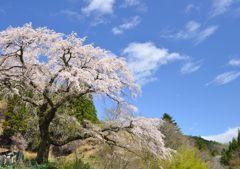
(185,158)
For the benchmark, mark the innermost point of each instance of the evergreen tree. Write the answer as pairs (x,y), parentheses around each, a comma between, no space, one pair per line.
(231,156)
(17,117)
(173,135)
(166,117)
(84,109)
(238,138)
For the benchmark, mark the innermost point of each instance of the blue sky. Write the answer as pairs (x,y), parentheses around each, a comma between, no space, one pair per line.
(185,54)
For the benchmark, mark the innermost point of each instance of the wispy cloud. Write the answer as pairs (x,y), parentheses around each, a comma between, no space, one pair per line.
(236,12)
(144,59)
(191,7)
(138,4)
(72,1)
(128,3)
(2,11)
(225,137)
(205,34)
(234,62)
(193,30)
(225,78)
(72,14)
(221,6)
(127,25)
(190,67)
(99,7)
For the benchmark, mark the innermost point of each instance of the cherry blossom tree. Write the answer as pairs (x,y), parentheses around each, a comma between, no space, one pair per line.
(46,69)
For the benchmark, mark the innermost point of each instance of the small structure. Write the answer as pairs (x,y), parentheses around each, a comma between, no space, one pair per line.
(7,158)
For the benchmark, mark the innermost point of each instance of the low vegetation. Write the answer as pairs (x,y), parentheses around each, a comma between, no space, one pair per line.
(185,158)
(74,164)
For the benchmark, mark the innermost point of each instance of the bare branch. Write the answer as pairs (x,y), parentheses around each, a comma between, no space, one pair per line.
(79,136)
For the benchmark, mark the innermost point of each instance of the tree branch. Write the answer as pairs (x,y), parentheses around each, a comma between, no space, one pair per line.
(117,129)
(72,96)
(29,100)
(80,136)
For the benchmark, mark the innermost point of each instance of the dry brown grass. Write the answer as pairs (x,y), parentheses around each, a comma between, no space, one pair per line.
(32,155)
(3,104)
(29,155)
(3,150)
(1,127)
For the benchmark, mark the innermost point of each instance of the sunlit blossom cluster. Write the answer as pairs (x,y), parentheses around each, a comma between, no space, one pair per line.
(151,138)
(46,61)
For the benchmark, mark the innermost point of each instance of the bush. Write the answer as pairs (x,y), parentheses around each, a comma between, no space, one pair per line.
(185,158)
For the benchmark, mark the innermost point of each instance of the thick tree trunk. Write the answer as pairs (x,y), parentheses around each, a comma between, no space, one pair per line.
(45,118)
(43,151)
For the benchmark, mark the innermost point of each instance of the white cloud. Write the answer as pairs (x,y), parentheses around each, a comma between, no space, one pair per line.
(127,25)
(99,7)
(224,137)
(190,67)
(144,59)
(193,30)
(221,6)
(226,77)
(72,14)
(234,62)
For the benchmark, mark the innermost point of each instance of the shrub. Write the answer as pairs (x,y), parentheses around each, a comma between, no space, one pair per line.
(185,158)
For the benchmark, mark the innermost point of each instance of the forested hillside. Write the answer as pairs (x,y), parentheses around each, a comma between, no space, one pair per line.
(121,152)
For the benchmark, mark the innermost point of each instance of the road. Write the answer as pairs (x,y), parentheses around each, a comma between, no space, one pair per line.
(216,163)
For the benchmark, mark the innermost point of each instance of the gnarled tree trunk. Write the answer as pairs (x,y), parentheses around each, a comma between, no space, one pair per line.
(43,151)
(44,122)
